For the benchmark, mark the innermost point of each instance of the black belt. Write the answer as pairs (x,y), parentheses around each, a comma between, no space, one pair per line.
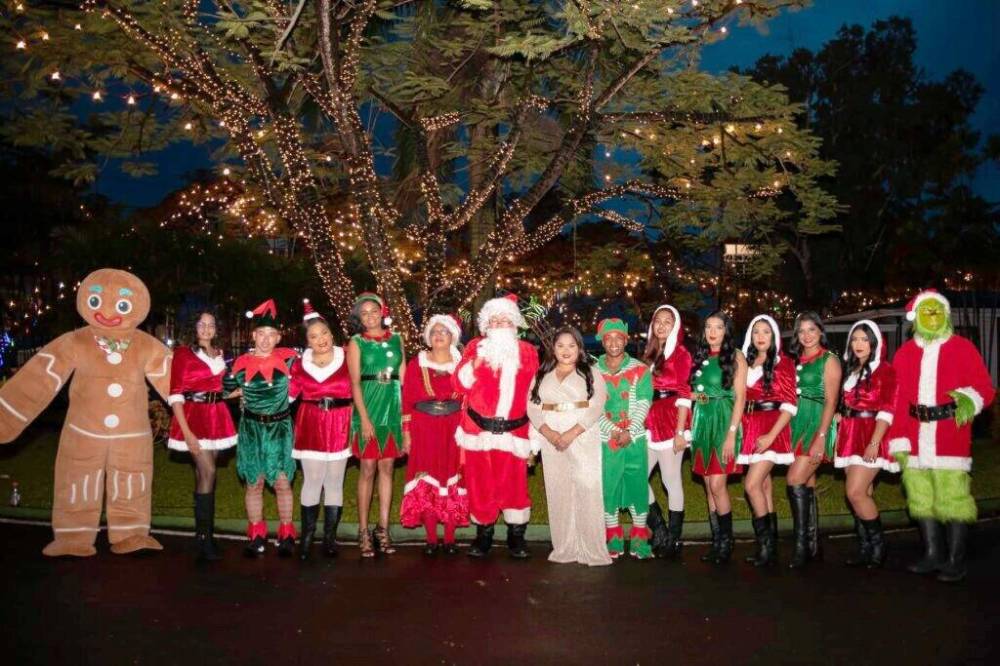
(927,413)
(809,397)
(761,406)
(381,379)
(847,412)
(663,394)
(203,396)
(496,426)
(438,407)
(330,403)
(265,418)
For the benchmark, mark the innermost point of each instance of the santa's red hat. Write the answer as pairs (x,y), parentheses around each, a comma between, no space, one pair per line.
(505,305)
(450,322)
(926,294)
(308,313)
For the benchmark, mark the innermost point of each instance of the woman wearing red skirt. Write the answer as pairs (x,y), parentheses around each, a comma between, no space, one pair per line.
(862,448)
(434,491)
(201,422)
(319,381)
(767,439)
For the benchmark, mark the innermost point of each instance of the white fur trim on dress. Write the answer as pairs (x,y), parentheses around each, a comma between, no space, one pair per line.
(467,375)
(873,364)
(425,362)
(671,344)
(216,364)
(322,373)
(973,395)
(880,463)
(767,456)
(754,374)
(325,456)
(900,445)
(660,446)
(496,306)
(487,441)
(884,416)
(790,408)
(775,333)
(442,488)
(175,399)
(683,402)
(206,444)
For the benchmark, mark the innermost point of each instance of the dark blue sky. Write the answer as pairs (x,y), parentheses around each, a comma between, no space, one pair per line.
(951,34)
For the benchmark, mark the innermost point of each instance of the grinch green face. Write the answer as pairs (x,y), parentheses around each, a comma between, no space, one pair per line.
(932,319)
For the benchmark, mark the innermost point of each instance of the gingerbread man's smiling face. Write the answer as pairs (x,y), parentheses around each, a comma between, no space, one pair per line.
(112,301)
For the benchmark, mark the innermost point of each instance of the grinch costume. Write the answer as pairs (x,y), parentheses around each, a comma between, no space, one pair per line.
(942,385)
(625,467)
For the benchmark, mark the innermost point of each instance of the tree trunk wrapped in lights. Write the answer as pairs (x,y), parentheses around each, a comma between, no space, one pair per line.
(524,91)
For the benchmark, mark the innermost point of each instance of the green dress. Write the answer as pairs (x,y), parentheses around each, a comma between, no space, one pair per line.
(811,398)
(380,364)
(713,412)
(263,449)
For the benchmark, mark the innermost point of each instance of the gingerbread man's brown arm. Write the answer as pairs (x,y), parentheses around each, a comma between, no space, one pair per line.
(32,388)
(157,367)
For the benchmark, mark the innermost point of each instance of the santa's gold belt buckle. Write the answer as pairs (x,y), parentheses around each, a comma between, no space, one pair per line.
(700,398)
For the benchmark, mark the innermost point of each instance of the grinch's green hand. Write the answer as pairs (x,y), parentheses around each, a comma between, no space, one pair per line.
(901,457)
(965,409)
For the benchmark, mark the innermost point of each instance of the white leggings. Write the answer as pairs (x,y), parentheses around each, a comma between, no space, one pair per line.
(670,473)
(326,476)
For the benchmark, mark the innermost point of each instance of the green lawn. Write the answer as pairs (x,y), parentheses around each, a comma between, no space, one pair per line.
(30,461)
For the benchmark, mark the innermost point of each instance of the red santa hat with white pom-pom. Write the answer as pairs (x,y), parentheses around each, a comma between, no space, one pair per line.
(925,295)
(308,313)
(505,305)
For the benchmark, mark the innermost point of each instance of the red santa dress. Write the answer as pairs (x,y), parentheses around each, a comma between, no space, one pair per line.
(925,373)
(671,388)
(764,405)
(324,413)
(196,381)
(496,461)
(434,483)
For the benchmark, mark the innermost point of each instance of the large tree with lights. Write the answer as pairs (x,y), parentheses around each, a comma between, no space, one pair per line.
(523,117)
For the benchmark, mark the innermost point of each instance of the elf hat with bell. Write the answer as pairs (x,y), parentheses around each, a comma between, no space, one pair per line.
(926,295)
(265,314)
(375,298)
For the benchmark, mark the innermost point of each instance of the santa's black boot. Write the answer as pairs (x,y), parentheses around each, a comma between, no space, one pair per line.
(934,557)
(516,543)
(480,546)
(954,569)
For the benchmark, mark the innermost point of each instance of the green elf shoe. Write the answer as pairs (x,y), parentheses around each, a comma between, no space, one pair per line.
(638,543)
(615,538)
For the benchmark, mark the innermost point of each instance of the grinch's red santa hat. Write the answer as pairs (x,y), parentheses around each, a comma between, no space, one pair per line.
(926,295)
(506,305)
(450,322)
(308,313)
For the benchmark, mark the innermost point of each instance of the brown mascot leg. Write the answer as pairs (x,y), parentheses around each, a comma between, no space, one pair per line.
(130,494)
(76,507)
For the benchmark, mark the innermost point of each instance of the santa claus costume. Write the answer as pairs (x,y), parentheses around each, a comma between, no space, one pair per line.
(495,375)
(434,492)
(320,383)
(671,370)
(942,385)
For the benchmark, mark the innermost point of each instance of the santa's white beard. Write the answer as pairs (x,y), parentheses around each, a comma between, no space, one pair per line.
(500,349)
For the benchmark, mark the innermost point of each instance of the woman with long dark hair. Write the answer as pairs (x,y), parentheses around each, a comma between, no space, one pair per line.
(567,399)
(718,390)
(201,423)
(862,448)
(666,423)
(771,402)
(818,374)
(377,365)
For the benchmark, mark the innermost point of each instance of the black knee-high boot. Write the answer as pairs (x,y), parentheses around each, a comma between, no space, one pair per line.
(310,514)
(798,500)
(934,558)
(762,529)
(812,534)
(204,527)
(725,538)
(656,524)
(954,569)
(864,555)
(480,546)
(331,518)
(713,550)
(876,539)
(675,527)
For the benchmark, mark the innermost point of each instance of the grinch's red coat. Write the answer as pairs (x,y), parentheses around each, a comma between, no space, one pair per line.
(925,374)
(496,464)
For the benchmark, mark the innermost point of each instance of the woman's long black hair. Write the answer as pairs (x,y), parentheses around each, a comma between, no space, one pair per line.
(772,355)
(854,364)
(192,328)
(583,363)
(727,353)
(795,347)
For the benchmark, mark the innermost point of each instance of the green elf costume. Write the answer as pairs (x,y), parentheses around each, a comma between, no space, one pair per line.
(381,359)
(264,445)
(624,466)
(941,385)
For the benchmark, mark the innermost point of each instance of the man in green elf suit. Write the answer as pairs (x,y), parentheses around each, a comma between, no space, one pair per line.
(623,440)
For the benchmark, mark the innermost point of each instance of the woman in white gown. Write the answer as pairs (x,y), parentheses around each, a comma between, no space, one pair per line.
(567,399)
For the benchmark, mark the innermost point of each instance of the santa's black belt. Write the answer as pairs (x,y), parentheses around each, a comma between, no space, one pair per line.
(497,426)
(330,403)
(927,413)
(203,396)
(265,418)
(761,406)
(380,378)
(847,412)
(438,407)
(663,394)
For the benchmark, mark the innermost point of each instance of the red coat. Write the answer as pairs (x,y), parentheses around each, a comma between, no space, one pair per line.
(320,434)
(876,394)
(211,423)
(672,374)
(757,423)
(925,374)
(484,388)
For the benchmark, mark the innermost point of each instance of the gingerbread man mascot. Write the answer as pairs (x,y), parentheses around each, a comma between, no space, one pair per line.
(106,445)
